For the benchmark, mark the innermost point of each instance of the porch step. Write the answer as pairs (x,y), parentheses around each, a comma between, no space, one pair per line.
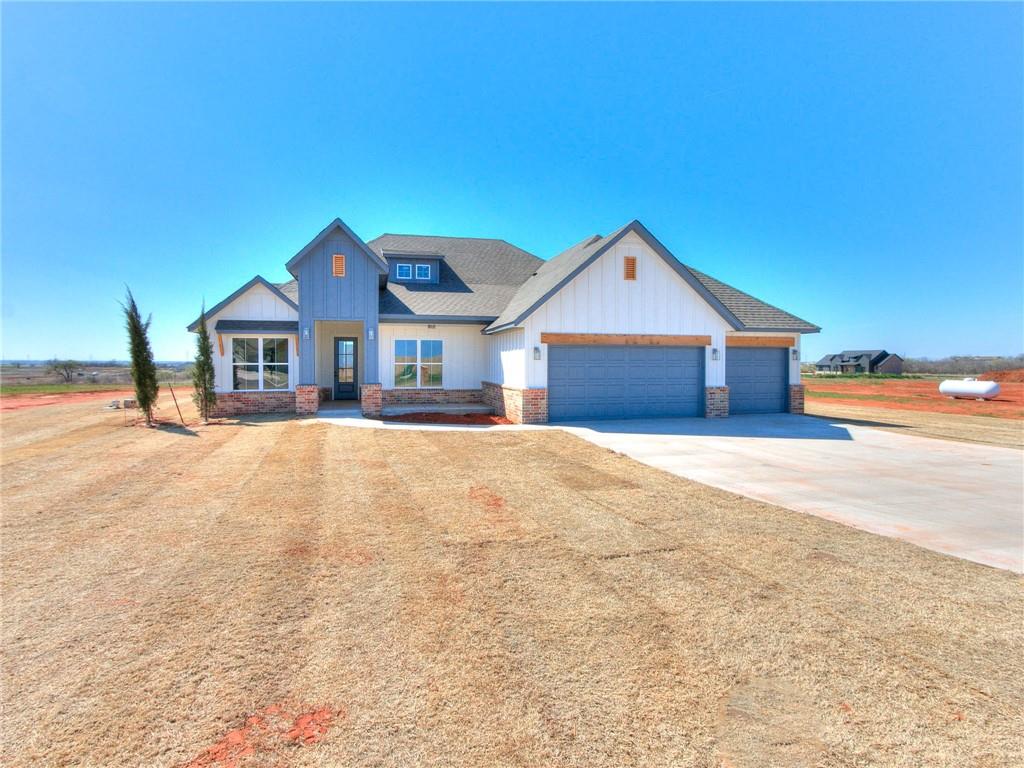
(398,410)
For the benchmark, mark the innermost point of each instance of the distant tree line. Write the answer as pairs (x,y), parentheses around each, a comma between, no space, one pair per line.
(962,364)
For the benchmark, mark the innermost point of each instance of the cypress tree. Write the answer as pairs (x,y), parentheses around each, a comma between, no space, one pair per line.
(143,367)
(202,370)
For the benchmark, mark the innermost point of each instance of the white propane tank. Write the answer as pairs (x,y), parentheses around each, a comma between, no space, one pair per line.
(969,388)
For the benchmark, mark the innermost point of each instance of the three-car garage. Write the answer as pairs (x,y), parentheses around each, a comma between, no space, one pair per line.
(603,380)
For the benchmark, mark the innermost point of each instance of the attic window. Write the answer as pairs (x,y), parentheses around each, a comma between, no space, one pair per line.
(339,265)
(629,268)
(403,271)
(422,271)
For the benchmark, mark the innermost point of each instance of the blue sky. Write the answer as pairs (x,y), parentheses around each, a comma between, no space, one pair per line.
(858,165)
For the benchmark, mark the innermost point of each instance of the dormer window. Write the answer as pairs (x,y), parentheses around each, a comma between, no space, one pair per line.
(422,271)
(403,271)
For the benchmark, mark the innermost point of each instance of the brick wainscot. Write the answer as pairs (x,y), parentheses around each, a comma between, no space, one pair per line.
(248,403)
(520,406)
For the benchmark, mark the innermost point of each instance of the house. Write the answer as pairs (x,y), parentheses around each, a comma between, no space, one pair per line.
(613,327)
(861,361)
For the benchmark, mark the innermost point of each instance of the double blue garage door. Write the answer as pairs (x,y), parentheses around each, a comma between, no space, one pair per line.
(624,382)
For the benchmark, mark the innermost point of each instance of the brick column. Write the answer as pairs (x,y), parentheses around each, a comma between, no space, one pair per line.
(371,398)
(796,398)
(535,406)
(307,399)
(716,402)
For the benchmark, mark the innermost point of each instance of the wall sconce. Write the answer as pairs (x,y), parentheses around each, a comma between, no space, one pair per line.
(431,325)
(714,353)
(369,334)
(536,353)
(305,333)
(794,354)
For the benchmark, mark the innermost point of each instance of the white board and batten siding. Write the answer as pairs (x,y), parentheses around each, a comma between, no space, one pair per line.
(600,300)
(257,303)
(506,358)
(464,352)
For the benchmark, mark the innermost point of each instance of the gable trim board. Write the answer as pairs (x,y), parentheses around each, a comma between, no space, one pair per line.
(257,280)
(293,262)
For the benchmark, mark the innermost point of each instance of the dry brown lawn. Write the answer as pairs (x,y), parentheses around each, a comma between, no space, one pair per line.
(1008,433)
(291,592)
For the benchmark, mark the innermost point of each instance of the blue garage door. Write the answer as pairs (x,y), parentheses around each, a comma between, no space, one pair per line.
(758,379)
(627,382)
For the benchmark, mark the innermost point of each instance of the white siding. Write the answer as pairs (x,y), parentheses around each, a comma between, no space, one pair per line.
(464,352)
(599,300)
(258,303)
(506,358)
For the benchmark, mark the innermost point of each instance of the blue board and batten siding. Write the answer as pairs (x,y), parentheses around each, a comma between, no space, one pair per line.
(624,382)
(758,379)
(322,296)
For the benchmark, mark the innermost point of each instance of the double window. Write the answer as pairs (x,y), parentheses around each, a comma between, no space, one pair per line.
(259,363)
(405,271)
(419,363)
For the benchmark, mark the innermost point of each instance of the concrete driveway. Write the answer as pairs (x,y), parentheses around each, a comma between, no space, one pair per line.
(959,498)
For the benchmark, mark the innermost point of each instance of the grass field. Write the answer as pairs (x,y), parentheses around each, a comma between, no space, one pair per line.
(291,592)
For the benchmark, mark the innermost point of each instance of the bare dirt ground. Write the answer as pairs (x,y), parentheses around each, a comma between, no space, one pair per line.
(37,400)
(1008,433)
(292,592)
(913,395)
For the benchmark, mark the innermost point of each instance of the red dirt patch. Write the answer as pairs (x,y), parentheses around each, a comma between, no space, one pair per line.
(1013,375)
(267,732)
(487,497)
(20,402)
(915,395)
(484,419)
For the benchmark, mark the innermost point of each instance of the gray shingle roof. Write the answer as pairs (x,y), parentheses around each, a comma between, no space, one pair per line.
(753,313)
(740,309)
(290,289)
(477,277)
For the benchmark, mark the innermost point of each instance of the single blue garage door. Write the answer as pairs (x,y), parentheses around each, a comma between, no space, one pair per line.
(758,379)
(624,382)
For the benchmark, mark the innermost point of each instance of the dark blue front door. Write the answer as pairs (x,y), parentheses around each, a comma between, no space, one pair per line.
(345,368)
(758,379)
(624,382)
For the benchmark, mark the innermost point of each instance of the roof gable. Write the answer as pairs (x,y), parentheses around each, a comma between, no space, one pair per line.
(374,258)
(257,280)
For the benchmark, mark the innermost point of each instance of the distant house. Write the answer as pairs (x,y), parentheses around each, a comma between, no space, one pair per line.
(861,361)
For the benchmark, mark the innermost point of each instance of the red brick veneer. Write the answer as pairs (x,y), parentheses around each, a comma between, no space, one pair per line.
(253,402)
(520,406)
(716,402)
(796,398)
(307,399)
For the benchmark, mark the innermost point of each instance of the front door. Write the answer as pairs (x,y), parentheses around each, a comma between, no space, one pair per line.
(344,368)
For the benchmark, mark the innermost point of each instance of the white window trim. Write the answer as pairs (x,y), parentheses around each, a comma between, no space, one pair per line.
(422,266)
(419,362)
(259,362)
(398,271)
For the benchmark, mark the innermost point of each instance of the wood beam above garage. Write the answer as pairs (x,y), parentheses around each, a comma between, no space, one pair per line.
(760,341)
(618,339)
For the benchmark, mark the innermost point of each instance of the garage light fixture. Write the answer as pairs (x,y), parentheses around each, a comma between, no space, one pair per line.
(794,354)
(536,353)
(305,333)
(714,353)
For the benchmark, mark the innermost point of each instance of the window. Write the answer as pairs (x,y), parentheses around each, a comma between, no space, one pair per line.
(629,268)
(418,370)
(245,359)
(339,264)
(430,363)
(403,271)
(422,271)
(259,364)
(405,363)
